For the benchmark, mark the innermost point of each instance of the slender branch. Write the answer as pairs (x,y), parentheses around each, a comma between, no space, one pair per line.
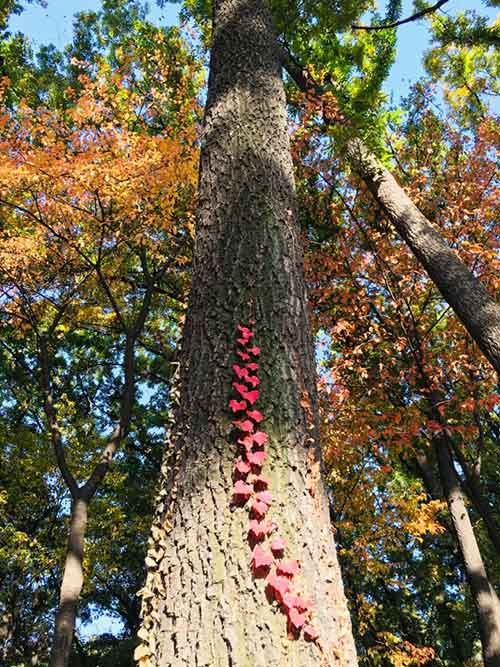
(408,19)
(50,413)
(121,429)
(114,304)
(45,225)
(62,307)
(437,321)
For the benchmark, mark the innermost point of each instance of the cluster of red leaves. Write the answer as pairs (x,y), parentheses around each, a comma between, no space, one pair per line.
(251,490)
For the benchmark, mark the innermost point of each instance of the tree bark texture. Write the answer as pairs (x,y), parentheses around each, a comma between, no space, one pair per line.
(71,586)
(201,605)
(476,309)
(483,593)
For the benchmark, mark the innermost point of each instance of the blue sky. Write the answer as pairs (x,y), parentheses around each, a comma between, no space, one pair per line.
(53,24)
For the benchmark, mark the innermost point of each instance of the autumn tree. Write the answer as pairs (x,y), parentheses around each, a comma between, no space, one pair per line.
(240,541)
(89,258)
(371,298)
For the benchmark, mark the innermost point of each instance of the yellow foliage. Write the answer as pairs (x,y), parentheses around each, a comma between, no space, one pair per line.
(424,521)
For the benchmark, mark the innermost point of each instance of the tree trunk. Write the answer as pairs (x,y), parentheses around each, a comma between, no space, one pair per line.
(473,490)
(72,582)
(71,586)
(477,310)
(201,604)
(484,595)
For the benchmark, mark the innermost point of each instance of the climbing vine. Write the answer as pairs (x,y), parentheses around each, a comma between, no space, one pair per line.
(251,490)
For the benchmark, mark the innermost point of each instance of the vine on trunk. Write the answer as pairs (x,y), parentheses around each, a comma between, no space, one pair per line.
(251,489)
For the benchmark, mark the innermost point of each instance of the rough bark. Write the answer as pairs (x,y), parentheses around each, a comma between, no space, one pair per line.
(201,606)
(71,586)
(476,309)
(483,593)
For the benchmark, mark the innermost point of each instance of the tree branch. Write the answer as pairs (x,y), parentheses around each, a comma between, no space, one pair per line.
(107,290)
(51,416)
(121,429)
(408,19)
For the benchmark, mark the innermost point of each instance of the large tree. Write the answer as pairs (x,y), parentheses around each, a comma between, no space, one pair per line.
(202,603)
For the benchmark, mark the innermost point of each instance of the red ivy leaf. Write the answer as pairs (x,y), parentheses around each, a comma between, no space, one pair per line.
(259,509)
(261,561)
(291,601)
(242,467)
(243,355)
(242,341)
(240,388)
(246,425)
(253,380)
(250,396)
(254,350)
(258,530)
(296,620)
(255,415)
(277,587)
(256,458)
(247,442)
(245,331)
(288,567)
(260,482)
(260,438)
(278,545)
(240,372)
(310,633)
(241,491)
(236,406)
(264,497)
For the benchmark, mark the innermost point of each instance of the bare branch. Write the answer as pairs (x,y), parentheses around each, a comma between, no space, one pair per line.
(408,19)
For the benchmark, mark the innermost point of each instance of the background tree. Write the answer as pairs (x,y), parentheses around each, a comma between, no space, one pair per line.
(88,257)
(398,330)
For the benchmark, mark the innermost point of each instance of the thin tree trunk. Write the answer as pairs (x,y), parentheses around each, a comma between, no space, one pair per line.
(201,605)
(484,596)
(477,310)
(71,586)
(473,491)
(483,593)
(72,581)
